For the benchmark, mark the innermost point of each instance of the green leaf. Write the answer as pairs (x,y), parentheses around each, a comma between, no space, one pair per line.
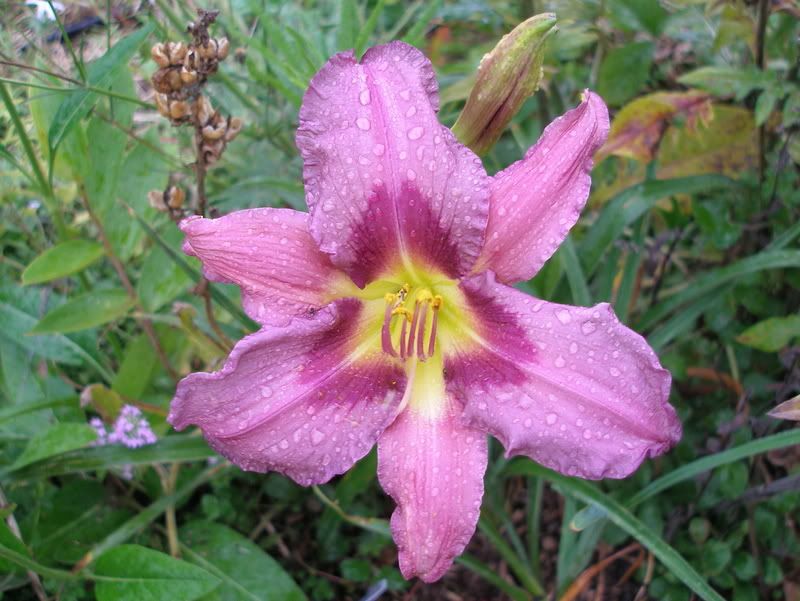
(161,280)
(772,334)
(627,206)
(17,410)
(62,260)
(624,72)
(167,449)
(56,440)
(15,323)
(575,276)
(11,542)
(140,573)
(727,81)
(85,311)
(625,520)
(77,104)
(369,27)
(590,514)
(348,25)
(137,368)
(709,282)
(246,571)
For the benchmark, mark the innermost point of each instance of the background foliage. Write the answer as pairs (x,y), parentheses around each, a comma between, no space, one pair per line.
(691,233)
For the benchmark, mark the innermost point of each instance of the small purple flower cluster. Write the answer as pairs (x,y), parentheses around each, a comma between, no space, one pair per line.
(130,429)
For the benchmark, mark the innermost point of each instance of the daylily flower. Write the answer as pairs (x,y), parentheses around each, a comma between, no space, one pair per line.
(387,313)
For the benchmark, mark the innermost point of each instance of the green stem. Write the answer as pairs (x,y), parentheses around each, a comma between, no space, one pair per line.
(27,145)
(485,572)
(517,565)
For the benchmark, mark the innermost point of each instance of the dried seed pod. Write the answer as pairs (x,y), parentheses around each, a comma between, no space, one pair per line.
(175,80)
(162,104)
(223,47)
(233,129)
(208,50)
(177,52)
(188,77)
(190,62)
(212,134)
(160,55)
(203,110)
(178,109)
(175,197)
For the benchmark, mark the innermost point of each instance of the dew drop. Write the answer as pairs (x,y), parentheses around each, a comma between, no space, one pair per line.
(564,316)
(363,97)
(378,150)
(284,444)
(614,371)
(560,361)
(415,133)
(363,123)
(551,418)
(317,436)
(266,392)
(587,327)
(573,348)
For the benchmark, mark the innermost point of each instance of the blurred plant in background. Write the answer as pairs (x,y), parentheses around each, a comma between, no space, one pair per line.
(691,235)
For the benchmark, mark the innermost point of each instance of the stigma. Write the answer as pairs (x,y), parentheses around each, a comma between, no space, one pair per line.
(416,335)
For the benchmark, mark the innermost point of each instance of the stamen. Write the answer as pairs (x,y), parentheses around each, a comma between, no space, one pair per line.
(403,330)
(413,332)
(423,316)
(386,331)
(436,304)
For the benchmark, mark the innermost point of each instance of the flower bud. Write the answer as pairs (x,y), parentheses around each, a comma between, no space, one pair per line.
(506,77)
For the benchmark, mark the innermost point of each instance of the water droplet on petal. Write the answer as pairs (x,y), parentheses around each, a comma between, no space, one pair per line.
(415,133)
(551,418)
(363,123)
(317,436)
(564,316)
(266,392)
(378,150)
(587,327)
(363,97)
(560,361)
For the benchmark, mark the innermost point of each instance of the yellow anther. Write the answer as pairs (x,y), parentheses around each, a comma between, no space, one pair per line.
(437,302)
(424,296)
(390,298)
(401,310)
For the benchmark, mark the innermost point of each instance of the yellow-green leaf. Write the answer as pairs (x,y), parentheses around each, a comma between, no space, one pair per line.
(772,334)
(62,260)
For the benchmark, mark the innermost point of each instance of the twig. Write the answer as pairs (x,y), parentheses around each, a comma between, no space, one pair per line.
(147,325)
(36,584)
(170,518)
(761,60)
(205,293)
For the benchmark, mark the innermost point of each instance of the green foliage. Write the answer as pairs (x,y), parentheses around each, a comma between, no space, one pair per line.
(691,233)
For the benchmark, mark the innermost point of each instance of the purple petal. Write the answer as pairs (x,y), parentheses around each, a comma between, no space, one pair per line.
(384,179)
(433,469)
(536,201)
(301,399)
(570,387)
(269,254)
